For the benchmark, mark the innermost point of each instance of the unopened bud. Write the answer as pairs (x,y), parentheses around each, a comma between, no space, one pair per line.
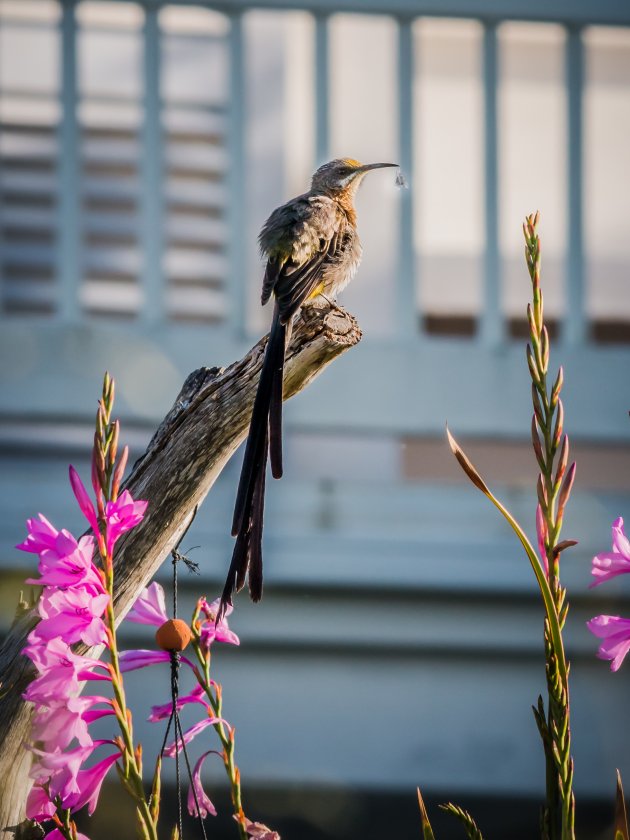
(563,460)
(533,331)
(544,349)
(558,425)
(113,446)
(119,472)
(557,387)
(112,390)
(562,546)
(565,490)
(100,503)
(531,363)
(541,492)
(99,458)
(96,484)
(538,410)
(538,312)
(99,421)
(537,445)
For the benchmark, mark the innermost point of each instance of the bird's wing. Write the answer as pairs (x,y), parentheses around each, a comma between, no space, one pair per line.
(298,239)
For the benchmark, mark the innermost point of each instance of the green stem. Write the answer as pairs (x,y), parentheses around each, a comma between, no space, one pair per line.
(559,764)
(227,741)
(132,770)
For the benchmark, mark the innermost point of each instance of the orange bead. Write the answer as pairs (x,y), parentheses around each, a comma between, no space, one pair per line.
(174,634)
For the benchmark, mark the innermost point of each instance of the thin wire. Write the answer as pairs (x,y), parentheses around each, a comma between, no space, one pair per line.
(168,729)
(178,723)
(175,556)
(175,714)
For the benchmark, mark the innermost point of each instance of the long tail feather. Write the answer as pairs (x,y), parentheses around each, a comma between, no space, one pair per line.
(255,539)
(247,524)
(258,427)
(275,413)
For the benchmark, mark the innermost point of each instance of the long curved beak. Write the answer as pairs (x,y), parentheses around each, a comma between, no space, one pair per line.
(369,166)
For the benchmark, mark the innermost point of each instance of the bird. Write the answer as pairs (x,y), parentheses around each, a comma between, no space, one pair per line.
(312,247)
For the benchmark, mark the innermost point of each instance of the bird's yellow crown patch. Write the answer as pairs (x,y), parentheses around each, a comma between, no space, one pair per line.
(352,162)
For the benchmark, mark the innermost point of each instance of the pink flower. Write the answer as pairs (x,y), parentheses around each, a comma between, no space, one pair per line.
(164,710)
(258,831)
(41,535)
(96,714)
(541,533)
(48,765)
(615,632)
(150,607)
(58,654)
(72,614)
(131,660)
(191,733)
(213,630)
(60,671)
(83,498)
(89,783)
(56,834)
(121,516)
(609,564)
(59,724)
(205,805)
(38,804)
(68,564)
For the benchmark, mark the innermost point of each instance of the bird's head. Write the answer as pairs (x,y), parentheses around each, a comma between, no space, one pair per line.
(342,175)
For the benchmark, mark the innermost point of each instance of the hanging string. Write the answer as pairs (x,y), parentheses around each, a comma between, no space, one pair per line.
(175,716)
(174,719)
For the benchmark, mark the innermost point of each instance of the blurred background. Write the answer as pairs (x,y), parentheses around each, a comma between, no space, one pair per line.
(400,639)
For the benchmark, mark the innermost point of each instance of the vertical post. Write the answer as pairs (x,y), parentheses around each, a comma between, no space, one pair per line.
(575,327)
(152,281)
(492,330)
(3,292)
(236,180)
(322,90)
(407,307)
(68,246)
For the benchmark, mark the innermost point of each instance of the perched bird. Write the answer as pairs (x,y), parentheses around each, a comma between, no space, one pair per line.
(312,248)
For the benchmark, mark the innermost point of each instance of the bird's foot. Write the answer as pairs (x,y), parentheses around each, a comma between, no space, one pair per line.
(333,305)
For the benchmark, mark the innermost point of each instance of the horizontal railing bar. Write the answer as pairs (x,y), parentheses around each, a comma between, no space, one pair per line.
(604,12)
(102,29)
(609,13)
(218,108)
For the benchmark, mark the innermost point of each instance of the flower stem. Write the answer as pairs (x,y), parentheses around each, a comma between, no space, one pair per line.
(131,757)
(551,447)
(226,738)
(103,467)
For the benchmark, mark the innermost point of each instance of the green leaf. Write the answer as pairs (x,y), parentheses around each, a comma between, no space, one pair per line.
(472,831)
(621,818)
(550,608)
(156,791)
(427,831)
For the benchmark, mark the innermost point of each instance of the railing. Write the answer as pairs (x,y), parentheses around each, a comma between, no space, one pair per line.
(150,220)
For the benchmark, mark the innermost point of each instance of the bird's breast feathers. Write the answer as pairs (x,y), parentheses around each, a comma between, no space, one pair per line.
(312,229)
